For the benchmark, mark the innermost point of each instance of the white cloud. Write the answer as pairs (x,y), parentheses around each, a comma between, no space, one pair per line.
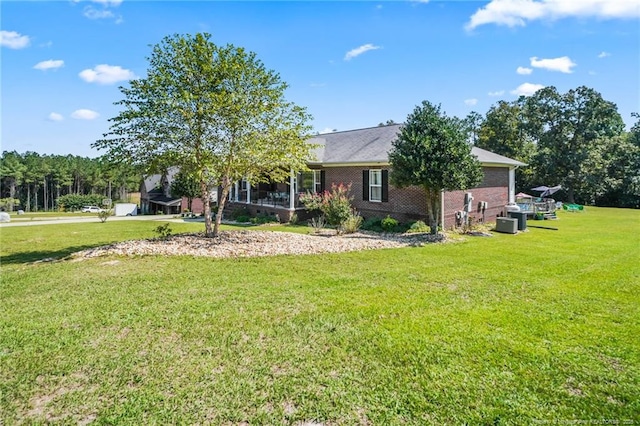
(14,40)
(527,89)
(318,84)
(93,13)
(524,71)
(106,74)
(604,54)
(326,130)
(359,51)
(84,114)
(496,93)
(50,64)
(562,64)
(470,102)
(514,13)
(108,2)
(54,116)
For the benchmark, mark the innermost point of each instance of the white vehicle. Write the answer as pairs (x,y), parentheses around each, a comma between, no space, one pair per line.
(91,209)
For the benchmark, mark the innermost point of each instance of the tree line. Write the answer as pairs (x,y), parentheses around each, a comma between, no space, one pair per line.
(575,139)
(34,182)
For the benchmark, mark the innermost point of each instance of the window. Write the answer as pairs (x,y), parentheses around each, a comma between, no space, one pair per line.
(375,185)
(317,181)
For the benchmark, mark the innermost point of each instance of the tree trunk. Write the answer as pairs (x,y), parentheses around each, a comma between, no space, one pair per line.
(28,206)
(208,229)
(12,193)
(35,195)
(44,195)
(570,195)
(433,209)
(223,199)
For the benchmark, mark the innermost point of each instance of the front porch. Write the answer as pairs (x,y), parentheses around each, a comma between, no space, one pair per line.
(276,198)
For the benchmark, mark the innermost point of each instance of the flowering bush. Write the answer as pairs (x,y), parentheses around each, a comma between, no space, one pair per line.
(334,204)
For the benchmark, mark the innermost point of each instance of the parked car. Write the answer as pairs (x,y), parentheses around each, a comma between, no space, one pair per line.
(91,209)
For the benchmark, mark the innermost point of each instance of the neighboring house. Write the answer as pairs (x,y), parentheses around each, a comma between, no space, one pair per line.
(155,194)
(361,158)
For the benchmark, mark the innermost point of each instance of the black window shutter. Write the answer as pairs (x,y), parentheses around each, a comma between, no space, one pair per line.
(323,180)
(385,186)
(365,185)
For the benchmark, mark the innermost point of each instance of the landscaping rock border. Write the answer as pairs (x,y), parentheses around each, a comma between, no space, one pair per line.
(230,244)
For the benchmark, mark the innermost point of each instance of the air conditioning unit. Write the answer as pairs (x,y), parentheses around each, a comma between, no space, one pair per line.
(507,225)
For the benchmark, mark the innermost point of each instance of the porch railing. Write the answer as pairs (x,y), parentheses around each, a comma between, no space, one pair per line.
(270,198)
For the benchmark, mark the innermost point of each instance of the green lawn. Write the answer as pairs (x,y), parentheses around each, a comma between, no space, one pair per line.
(537,328)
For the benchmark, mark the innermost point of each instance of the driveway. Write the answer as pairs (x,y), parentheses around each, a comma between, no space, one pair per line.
(79,219)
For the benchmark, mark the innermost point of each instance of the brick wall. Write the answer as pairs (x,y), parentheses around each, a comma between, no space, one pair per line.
(410,203)
(404,204)
(196,205)
(494,190)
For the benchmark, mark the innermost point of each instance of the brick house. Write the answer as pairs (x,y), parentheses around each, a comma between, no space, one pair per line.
(155,194)
(360,158)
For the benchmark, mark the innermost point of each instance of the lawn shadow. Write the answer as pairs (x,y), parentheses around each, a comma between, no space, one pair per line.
(42,255)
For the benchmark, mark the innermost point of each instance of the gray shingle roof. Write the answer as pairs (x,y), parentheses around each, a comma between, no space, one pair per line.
(372,146)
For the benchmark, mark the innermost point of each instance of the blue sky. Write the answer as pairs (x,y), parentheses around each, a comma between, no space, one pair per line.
(352,64)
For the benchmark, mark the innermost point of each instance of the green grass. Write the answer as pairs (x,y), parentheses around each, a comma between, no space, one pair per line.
(538,327)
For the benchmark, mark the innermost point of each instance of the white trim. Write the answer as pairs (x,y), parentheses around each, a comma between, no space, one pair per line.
(378,185)
(387,164)
(355,164)
(512,185)
(292,190)
(317,183)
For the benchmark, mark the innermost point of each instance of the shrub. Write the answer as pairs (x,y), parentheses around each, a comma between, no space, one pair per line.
(163,231)
(243,219)
(103,215)
(372,224)
(388,224)
(419,226)
(334,204)
(294,219)
(352,224)
(263,218)
(240,212)
(317,223)
(73,202)
(6,202)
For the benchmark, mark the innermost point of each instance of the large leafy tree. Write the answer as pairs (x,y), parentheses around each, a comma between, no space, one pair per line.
(621,158)
(215,112)
(503,132)
(569,130)
(431,151)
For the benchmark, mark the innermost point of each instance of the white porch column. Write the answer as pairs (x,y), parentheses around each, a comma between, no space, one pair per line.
(237,191)
(248,193)
(512,185)
(292,192)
